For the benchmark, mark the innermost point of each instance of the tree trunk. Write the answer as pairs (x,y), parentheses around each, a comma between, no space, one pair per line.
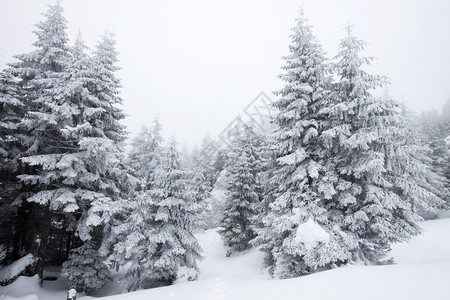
(21,234)
(69,245)
(61,241)
(42,251)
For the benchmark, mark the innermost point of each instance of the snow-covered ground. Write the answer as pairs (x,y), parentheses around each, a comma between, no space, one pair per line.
(422,272)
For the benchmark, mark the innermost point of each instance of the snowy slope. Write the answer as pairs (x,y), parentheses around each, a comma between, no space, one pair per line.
(422,272)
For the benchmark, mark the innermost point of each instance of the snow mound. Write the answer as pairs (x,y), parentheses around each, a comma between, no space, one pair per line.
(9,273)
(310,234)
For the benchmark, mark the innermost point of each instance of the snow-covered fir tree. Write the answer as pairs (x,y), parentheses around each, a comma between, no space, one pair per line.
(434,128)
(423,179)
(127,237)
(297,235)
(368,148)
(267,163)
(200,184)
(157,237)
(209,159)
(40,72)
(203,176)
(74,134)
(146,153)
(107,88)
(101,180)
(134,243)
(243,193)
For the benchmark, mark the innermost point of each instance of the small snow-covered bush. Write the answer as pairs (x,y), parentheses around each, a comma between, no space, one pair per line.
(85,270)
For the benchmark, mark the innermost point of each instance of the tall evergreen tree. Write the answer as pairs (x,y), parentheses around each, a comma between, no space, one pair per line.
(129,235)
(301,181)
(370,151)
(40,73)
(101,180)
(243,193)
(69,141)
(145,155)
(74,144)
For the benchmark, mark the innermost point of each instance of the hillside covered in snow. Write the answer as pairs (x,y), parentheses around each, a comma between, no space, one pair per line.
(422,272)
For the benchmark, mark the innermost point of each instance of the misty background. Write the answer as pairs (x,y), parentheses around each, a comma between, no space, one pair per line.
(197,64)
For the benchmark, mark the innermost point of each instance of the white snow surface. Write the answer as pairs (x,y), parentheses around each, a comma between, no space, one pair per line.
(29,297)
(16,267)
(422,272)
(310,234)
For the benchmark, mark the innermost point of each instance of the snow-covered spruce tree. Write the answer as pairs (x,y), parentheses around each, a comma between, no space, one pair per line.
(298,236)
(145,155)
(203,176)
(242,197)
(366,143)
(145,159)
(201,170)
(268,164)
(40,72)
(201,190)
(157,238)
(74,131)
(98,171)
(435,133)
(423,181)
(128,235)
(210,160)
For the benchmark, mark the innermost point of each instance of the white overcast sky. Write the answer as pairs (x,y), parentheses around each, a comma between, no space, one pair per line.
(198,63)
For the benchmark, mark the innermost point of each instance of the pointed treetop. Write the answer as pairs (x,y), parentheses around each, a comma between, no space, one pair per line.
(302,27)
(106,52)
(79,47)
(349,28)
(173,145)
(156,131)
(52,31)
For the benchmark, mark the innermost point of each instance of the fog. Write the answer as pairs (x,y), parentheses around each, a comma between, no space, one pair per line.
(197,64)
